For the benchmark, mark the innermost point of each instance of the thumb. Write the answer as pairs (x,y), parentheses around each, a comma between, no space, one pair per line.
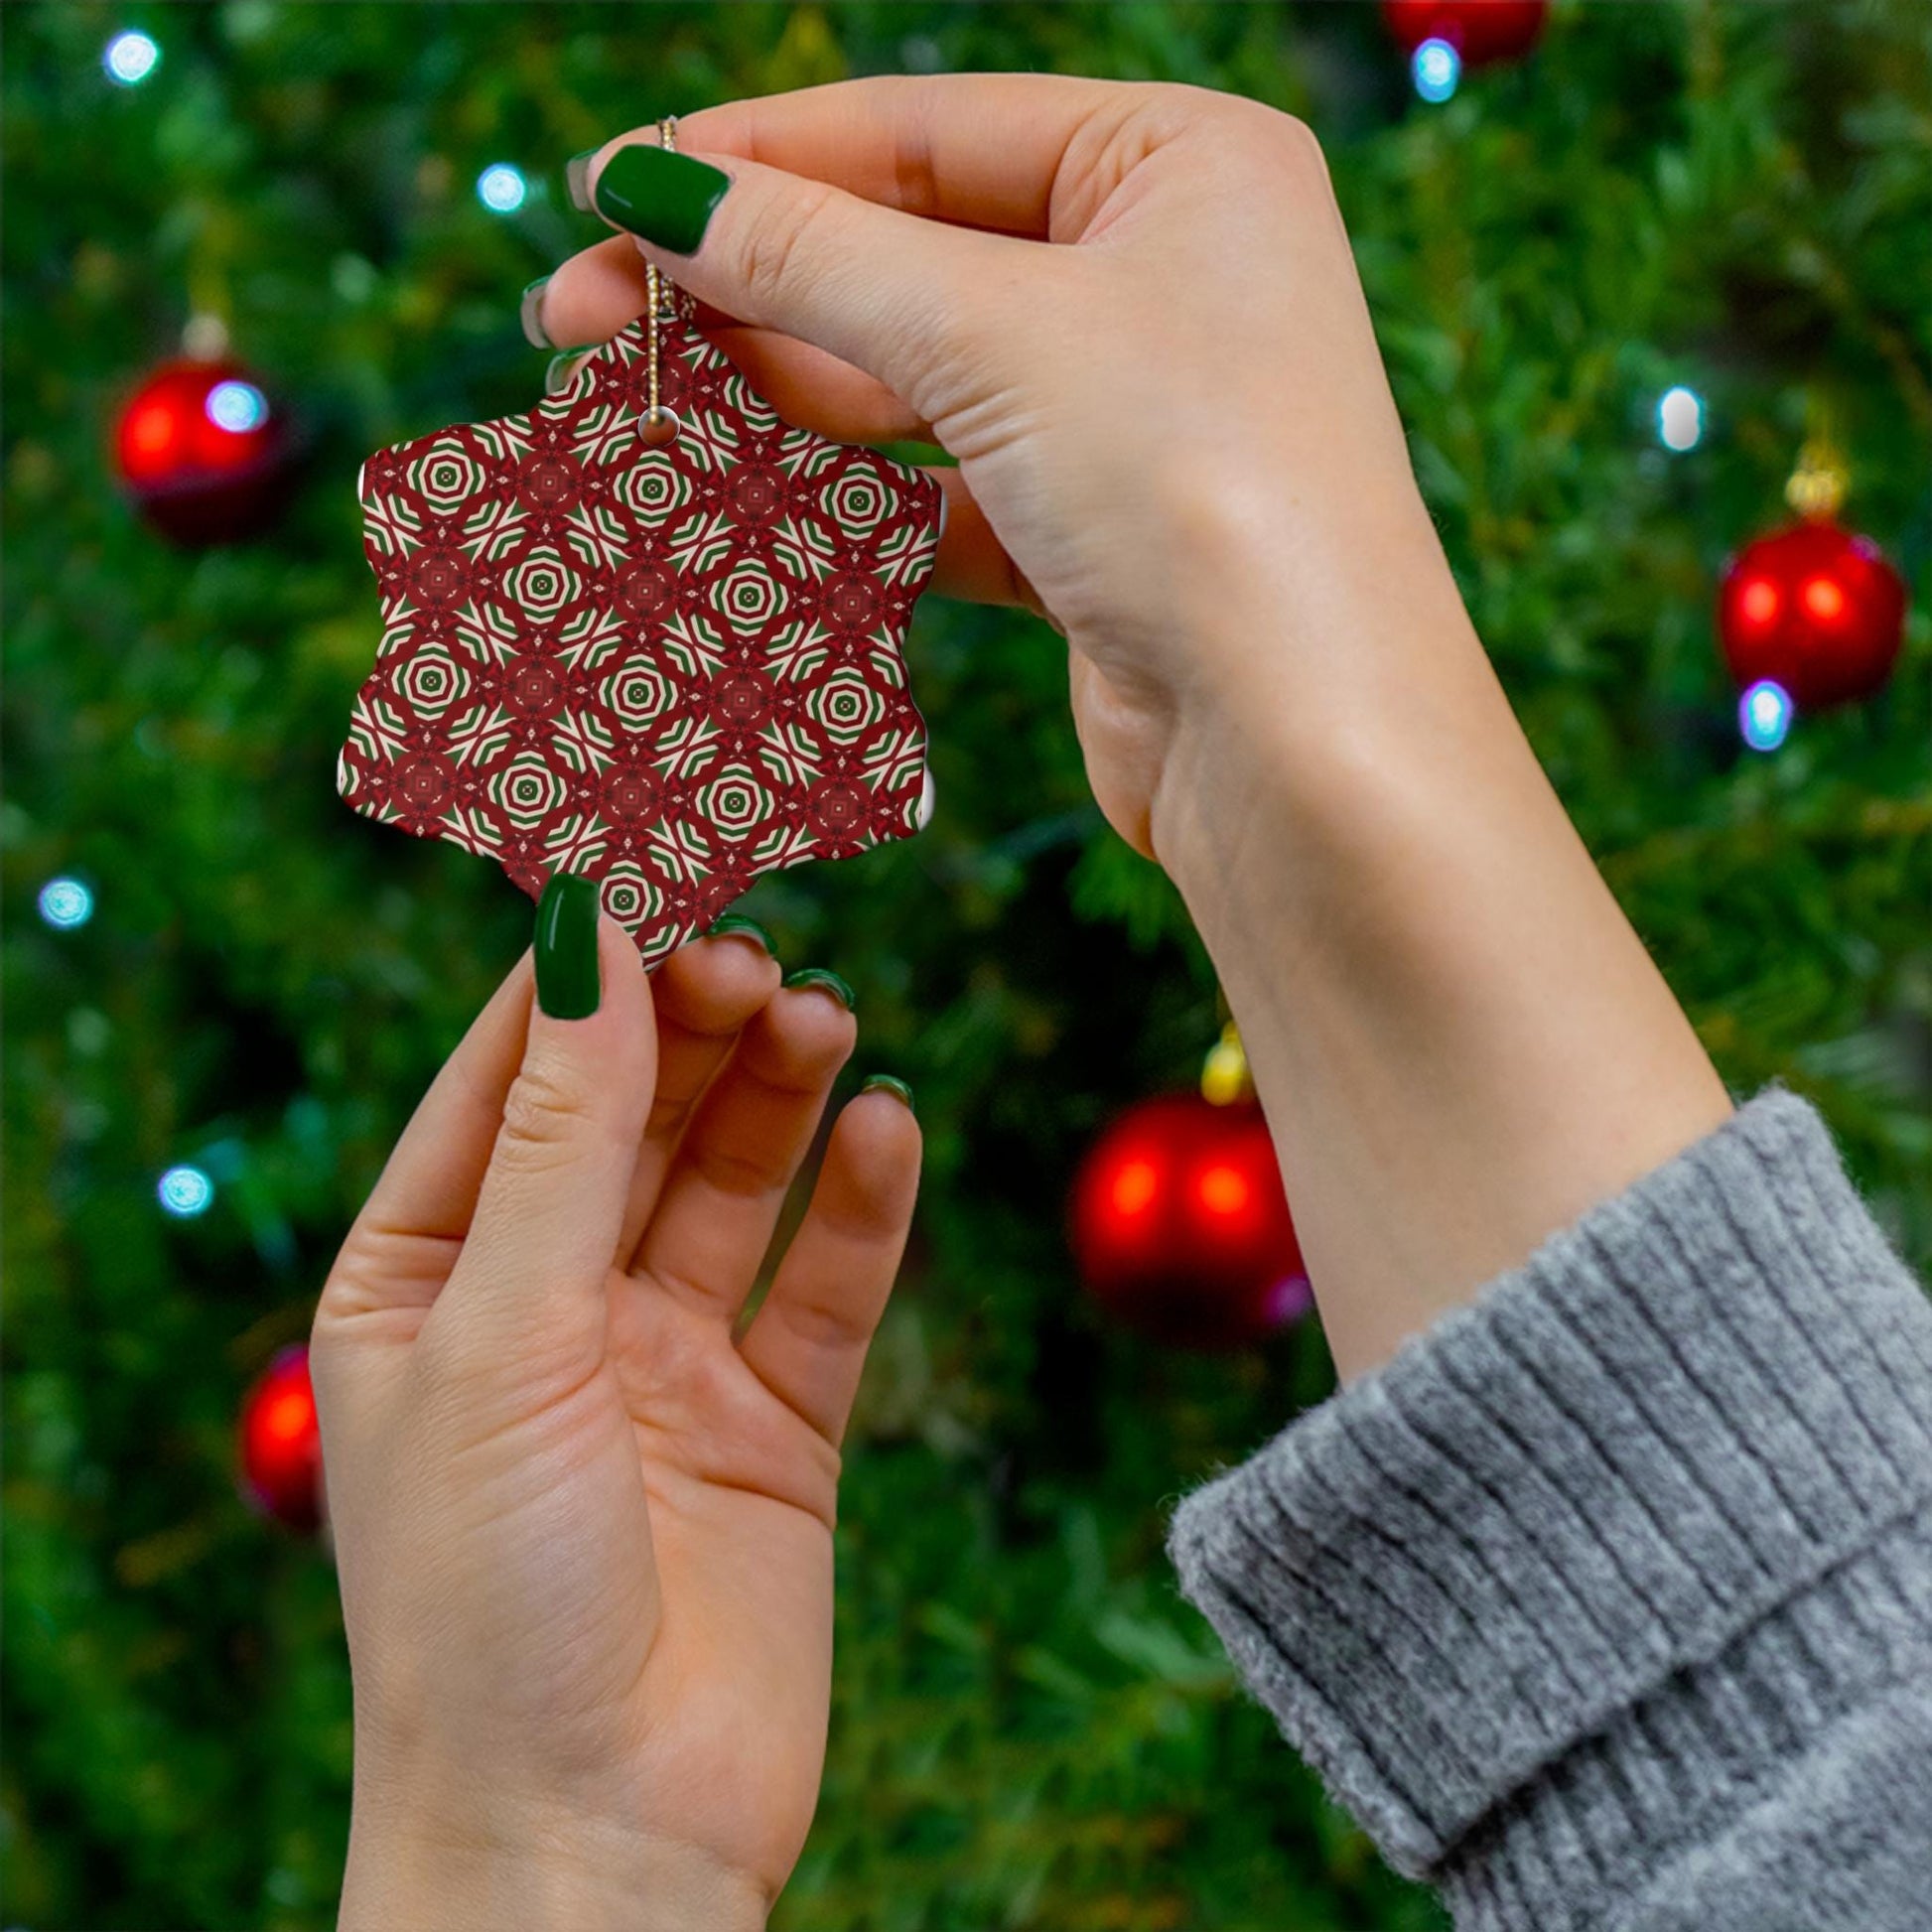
(891,293)
(538,1254)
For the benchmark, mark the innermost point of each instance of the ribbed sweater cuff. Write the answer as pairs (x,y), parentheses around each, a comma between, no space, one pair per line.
(1539,1527)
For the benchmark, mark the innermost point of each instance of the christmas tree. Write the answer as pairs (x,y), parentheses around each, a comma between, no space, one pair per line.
(225,992)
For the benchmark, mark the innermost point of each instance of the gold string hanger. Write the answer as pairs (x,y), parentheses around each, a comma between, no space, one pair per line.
(665,302)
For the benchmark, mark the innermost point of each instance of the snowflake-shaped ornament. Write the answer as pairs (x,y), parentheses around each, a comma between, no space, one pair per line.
(668,667)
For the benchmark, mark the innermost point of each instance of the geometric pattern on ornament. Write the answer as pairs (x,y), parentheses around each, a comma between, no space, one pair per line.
(668,668)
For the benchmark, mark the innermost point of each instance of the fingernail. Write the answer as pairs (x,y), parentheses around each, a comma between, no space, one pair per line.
(566,947)
(529,311)
(561,371)
(577,178)
(824,980)
(919,456)
(664,197)
(889,1083)
(730,922)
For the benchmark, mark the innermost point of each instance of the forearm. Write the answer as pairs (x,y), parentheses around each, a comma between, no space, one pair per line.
(1459,1041)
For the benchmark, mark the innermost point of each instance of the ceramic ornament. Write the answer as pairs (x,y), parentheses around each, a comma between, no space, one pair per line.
(667,665)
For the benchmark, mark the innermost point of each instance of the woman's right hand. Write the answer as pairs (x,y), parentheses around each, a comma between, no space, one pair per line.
(1133,315)
(1175,435)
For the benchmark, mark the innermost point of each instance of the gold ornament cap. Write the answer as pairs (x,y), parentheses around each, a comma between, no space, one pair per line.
(1818,484)
(1224,1075)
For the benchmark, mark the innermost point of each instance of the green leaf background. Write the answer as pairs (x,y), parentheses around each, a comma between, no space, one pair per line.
(1030,1728)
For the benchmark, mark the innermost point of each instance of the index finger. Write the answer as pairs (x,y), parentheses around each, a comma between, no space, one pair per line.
(980,150)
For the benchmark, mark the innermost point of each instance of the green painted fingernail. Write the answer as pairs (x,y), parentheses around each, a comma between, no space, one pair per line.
(529,310)
(566,947)
(919,456)
(889,1083)
(825,980)
(666,197)
(577,178)
(561,371)
(732,922)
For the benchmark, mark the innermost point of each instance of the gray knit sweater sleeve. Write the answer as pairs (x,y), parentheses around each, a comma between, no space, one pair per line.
(1607,1605)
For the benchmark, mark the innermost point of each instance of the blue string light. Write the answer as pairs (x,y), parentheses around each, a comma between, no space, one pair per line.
(501,188)
(1436,67)
(129,59)
(236,407)
(184,1192)
(65,903)
(1765,715)
(1680,419)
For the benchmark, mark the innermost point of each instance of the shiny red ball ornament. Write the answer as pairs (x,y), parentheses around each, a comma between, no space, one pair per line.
(204,451)
(1814,607)
(1181,1227)
(280,1444)
(1481,30)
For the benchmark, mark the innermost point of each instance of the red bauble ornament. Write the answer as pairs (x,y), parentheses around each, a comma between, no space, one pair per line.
(1480,30)
(1814,607)
(280,1444)
(204,451)
(1181,1227)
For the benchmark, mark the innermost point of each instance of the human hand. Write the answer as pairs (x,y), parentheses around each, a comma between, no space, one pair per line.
(585,1535)
(1133,315)
(1174,435)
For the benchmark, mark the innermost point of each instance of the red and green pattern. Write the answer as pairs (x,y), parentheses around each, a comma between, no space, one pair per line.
(670,668)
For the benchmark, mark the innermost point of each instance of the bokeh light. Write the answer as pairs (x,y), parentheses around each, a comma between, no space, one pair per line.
(501,188)
(1290,1299)
(184,1192)
(1765,715)
(1134,1187)
(1437,68)
(1224,1189)
(236,406)
(65,903)
(1680,419)
(130,58)
(1823,599)
(1757,602)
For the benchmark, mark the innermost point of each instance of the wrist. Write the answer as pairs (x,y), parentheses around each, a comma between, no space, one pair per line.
(1330,698)
(1460,1043)
(509,1868)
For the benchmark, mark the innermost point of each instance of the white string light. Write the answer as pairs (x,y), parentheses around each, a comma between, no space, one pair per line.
(501,188)
(1680,419)
(65,903)
(236,407)
(130,58)
(1765,715)
(1436,67)
(185,1192)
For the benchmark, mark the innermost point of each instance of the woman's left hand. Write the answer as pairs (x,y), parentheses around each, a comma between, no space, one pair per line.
(584,1526)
